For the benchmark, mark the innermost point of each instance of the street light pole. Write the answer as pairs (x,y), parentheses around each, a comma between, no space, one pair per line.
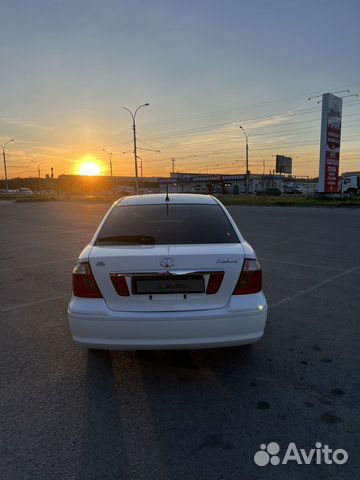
(4,158)
(110,162)
(247,160)
(39,177)
(133,115)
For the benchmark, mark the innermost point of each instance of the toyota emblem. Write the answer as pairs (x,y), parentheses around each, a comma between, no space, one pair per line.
(167,262)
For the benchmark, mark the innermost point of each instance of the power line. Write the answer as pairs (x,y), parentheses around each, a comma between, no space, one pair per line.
(301,96)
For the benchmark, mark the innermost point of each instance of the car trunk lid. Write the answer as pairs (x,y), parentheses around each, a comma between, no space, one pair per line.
(171,267)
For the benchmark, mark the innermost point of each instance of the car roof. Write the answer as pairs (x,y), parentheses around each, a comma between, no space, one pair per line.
(174,198)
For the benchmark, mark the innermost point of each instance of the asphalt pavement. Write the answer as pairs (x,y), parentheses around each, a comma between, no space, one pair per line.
(70,414)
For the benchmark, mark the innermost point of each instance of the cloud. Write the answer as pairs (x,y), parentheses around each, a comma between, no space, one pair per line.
(27,124)
(229,134)
(271,121)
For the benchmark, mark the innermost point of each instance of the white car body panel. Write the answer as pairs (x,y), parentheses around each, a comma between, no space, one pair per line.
(94,325)
(172,320)
(146,259)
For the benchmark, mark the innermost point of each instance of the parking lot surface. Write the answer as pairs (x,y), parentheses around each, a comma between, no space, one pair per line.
(70,414)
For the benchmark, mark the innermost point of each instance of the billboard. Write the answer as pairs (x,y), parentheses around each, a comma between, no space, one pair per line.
(330,143)
(283,164)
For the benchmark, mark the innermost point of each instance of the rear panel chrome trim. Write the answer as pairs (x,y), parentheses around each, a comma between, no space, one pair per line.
(167,272)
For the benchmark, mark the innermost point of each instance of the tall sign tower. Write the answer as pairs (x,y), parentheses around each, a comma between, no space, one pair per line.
(330,143)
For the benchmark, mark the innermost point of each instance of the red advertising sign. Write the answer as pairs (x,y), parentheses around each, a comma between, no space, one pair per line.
(333,129)
(331,171)
(330,143)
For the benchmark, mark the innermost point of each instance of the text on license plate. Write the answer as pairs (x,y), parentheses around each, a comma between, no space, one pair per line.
(173,284)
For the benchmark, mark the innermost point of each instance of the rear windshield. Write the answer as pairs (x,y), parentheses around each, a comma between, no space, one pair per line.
(166,224)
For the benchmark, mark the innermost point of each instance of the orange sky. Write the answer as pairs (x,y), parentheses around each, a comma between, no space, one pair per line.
(205,68)
(202,147)
(203,141)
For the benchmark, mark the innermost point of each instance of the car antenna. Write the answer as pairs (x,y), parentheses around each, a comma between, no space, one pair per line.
(167,199)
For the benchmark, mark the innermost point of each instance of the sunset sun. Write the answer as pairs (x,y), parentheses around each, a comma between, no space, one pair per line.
(89,167)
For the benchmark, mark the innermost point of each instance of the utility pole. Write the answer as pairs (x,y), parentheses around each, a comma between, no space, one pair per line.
(4,158)
(141,175)
(133,115)
(247,161)
(39,178)
(263,175)
(110,162)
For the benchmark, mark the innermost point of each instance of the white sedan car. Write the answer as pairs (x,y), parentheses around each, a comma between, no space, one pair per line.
(167,271)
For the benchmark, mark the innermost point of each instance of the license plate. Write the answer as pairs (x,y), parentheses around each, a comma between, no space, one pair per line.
(163,285)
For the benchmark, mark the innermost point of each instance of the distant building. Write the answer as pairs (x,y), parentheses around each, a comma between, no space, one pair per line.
(220,183)
(102,185)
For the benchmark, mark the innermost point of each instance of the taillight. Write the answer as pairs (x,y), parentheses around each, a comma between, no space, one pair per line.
(120,285)
(214,283)
(250,280)
(84,284)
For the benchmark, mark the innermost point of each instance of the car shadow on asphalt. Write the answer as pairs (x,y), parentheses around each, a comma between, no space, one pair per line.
(193,406)
(153,411)
(198,358)
(103,450)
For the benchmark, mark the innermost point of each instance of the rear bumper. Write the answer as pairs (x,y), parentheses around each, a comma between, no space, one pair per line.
(93,325)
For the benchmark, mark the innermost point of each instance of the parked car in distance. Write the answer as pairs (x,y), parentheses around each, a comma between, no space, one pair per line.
(9,191)
(164,272)
(269,191)
(24,191)
(292,190)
